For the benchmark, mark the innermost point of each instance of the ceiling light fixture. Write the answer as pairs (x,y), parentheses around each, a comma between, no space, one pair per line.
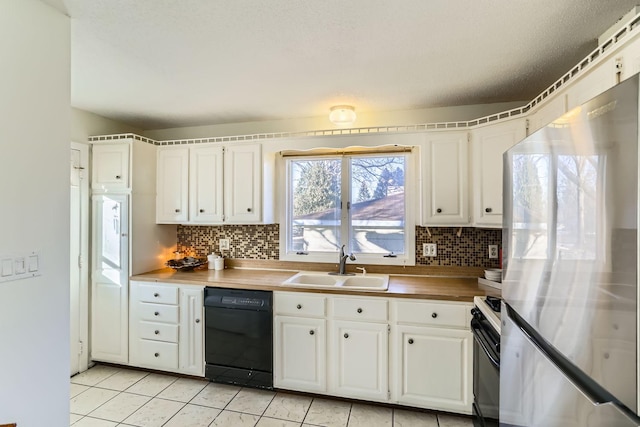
(342,115)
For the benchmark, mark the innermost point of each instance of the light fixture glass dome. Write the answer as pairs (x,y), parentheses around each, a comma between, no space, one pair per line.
(342,115)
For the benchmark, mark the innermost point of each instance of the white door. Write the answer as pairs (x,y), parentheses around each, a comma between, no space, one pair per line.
(191,343)
(172,186)
(205,184)
(78,279)
(243,183)
(110,167)
(359,356)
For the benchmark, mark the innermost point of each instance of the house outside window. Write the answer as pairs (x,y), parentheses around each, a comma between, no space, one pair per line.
(362,201)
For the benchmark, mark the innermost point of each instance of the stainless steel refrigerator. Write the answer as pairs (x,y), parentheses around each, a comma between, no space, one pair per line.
(569,346)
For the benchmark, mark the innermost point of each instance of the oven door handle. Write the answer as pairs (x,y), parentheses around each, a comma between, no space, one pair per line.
(476,329)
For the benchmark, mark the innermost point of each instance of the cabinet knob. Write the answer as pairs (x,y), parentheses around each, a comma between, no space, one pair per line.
(156,332)
(201,210)
(157,354)
(488,210)
(197,320)
(299,306)
(156,313)
(439,210)
(434,315)
(177,210)
(118,177)
(248,209)
(359,310)
(156,295)
(311,332)
(346,335)
(410,340)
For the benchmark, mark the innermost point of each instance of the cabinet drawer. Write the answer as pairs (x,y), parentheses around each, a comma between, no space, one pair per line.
(157,354)
(157,312)
(158,331)
(360,309)
(433,313)
(157,293)
(300,304)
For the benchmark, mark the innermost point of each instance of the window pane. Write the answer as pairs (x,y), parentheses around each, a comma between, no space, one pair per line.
(377,204)
(315,203)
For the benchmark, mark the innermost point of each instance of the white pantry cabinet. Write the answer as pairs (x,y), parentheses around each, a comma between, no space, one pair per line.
(110,167)
(488,145)
(166,329)
(445,174)
(210,184)
(432,353)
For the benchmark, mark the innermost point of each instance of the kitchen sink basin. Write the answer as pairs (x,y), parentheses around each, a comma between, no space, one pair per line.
(307,279)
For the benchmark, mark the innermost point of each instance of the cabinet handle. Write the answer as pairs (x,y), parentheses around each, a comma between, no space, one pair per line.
(298,306)
(346,335)
(156,313)
(434,315)
(488,210)
(156,295)
(439,210)
(410,340)
(118,177)
(197,320)
(157,354)
(156,332)
(177,210)
(359,310)
(201,210)
(311,332)
(248,209)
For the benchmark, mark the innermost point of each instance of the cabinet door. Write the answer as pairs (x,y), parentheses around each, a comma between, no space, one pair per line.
(205,184)
(243,183)
(110,167)
(109,281)
(434,369)
(191,339)
(446,180)
(489,144)
(359,360)
(300,354)
(172,185)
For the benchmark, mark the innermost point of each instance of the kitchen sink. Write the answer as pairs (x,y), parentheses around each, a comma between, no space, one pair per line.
(310,279)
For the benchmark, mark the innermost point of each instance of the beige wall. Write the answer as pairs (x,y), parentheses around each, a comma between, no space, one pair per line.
(388,118)
(34,214)
(85,124)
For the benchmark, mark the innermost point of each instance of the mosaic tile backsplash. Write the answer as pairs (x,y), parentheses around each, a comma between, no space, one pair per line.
(263,242)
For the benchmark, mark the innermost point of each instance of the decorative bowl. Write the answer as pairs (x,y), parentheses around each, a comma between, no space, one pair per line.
(186,264)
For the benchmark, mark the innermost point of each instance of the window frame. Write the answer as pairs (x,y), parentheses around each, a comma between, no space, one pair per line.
(410,188)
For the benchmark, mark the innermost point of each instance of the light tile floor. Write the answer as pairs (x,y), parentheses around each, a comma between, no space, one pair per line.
(107,396)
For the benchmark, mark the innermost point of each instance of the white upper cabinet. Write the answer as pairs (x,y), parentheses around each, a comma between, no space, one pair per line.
(243,183)
(172,185)
(594,82)
(445,166)
(205,184)
(488,145)
(110,167)
(210,184)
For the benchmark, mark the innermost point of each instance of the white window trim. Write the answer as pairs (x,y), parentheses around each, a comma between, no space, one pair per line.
(411,199)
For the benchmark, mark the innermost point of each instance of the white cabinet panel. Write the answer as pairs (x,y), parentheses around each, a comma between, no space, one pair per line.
(488,145)
(192,331)
(172,185)
(206,184)
(243,183)
(445,167)
(110,167)
(300,354)
(359,360)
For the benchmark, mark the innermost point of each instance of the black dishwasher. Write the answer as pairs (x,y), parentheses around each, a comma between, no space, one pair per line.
(239,337)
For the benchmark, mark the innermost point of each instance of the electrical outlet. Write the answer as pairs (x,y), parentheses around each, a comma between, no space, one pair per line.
(429,249)
(224,244)
(493,251)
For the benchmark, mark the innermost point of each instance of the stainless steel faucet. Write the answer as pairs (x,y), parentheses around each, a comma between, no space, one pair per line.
(343,263)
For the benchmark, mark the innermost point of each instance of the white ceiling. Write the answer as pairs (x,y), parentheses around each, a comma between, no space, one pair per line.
(158,64)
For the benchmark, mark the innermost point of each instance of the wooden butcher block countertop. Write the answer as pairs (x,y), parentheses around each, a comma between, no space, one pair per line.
(400,286)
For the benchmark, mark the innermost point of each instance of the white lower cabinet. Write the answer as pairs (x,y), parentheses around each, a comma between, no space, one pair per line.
(166,327)
(300,354)
(360,360)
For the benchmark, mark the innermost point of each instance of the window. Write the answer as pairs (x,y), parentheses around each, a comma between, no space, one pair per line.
(361,201)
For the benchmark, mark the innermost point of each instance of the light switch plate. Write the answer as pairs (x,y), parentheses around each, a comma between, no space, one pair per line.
(16,266)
